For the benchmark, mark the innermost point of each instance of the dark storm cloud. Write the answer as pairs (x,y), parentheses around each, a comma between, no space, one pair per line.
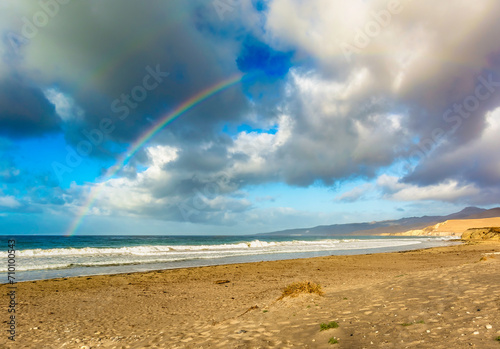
(213,159)
(462,145)
(474,162)
(101,54)
(24,109)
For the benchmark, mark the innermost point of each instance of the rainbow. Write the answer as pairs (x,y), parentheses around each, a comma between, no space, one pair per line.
(144,138)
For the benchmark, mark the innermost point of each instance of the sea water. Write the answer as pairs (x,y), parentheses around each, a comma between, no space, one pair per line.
(46,257)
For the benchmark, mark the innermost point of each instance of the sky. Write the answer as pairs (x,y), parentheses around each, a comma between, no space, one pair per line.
(244,116)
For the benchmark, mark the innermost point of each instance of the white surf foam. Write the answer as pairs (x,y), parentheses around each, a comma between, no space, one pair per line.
(63,258)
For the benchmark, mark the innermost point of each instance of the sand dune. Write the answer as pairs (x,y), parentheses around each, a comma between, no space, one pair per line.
(453,227)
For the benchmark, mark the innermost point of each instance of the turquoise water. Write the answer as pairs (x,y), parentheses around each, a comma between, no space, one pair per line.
(44,257)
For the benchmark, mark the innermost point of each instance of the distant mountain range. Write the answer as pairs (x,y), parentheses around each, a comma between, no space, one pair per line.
(387,227)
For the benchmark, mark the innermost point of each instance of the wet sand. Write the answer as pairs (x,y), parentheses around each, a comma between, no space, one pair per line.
(446,297)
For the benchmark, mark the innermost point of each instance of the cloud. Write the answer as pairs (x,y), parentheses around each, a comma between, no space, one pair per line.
(24,109)
(162,192)
(64,105)
(8,172)
(422,66)
(265,198)
(94,54)
(356,193)
(9,202)
(474,162)
(450,190)
(337,131)
(390,98)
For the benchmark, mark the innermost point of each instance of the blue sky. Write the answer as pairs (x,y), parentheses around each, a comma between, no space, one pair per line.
(345,112)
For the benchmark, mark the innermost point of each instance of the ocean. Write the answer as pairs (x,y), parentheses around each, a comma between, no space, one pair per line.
(47,257)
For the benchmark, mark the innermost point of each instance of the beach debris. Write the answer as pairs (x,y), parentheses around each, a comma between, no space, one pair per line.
(488,327)
(250,309)
(219,282)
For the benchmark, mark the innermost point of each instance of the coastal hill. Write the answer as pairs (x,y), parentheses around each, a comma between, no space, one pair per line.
(401,226)
(492,213)
(453,227)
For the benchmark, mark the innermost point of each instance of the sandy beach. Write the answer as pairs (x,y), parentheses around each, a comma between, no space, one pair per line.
(446,297)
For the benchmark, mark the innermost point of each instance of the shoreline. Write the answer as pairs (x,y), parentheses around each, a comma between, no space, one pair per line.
(237,263)
(186,308)
(224,264)
(112,269)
